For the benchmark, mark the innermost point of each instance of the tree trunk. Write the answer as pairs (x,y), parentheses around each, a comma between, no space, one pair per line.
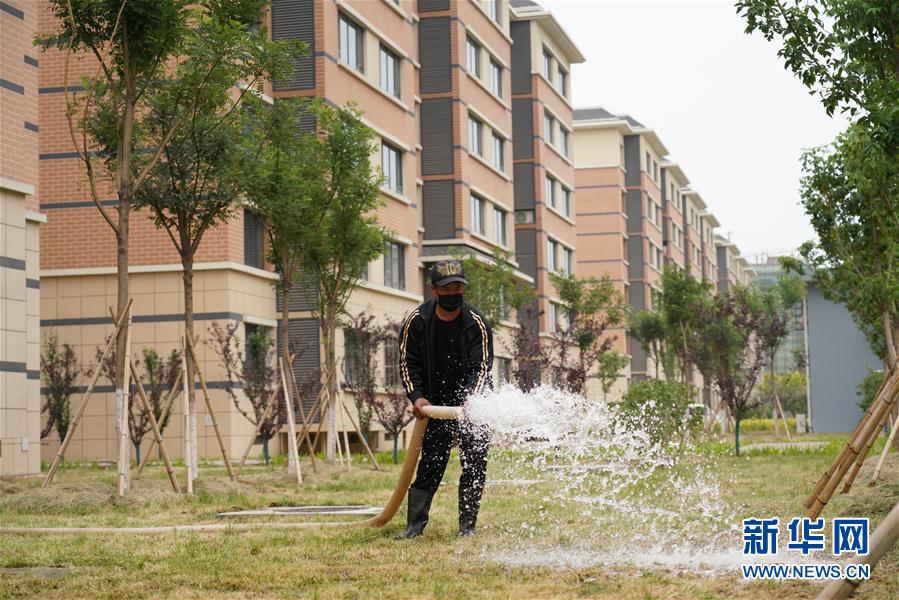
(121,340)
(137,453)
(737,434)
(396,453)
(285,350)
(328,328)
(265,455)
(188,278)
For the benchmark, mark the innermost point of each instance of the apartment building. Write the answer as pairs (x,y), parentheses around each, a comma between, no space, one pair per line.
(694,206)
(674,182)
(20,223)
(544,178)
(708,251)
(620,218)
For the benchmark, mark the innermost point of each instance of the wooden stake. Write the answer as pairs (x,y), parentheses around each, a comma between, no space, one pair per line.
(346,439)
(215,424)
(782,416)
(188,462)
(894,427)
(305,430)
(123,465)
(170,397)
(157,435)
(87,395)
(291,427)
(311,443)
(265,414)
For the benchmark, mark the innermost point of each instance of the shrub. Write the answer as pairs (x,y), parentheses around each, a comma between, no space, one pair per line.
(765,424)
(663,409)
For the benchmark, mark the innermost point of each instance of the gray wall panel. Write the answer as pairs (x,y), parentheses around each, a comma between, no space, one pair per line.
(526,251)
(437,137)
(439,210)
(295,20)
(632,159)
(433,5)
(305,341)
(523,186)
(634,211)
(522,128)
(434,52)
(521,56)
(635,258)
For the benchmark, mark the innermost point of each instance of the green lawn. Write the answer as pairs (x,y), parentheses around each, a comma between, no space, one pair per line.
(363,562)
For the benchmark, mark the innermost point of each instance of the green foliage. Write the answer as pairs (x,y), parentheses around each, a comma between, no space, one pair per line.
(608,368)
(748,425)
(158,377)
(492,285)
(867,388)
(850,190)
(791,390)
(59,372)
(663,409)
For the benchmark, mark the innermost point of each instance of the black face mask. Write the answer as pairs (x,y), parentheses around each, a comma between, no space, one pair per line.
(450,302)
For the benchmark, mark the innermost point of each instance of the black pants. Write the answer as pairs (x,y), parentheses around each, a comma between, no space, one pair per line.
(435,453)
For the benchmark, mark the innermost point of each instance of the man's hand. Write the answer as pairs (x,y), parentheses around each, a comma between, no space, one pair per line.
(416,408)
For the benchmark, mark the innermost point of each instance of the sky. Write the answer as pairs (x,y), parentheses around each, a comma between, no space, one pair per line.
(720,100)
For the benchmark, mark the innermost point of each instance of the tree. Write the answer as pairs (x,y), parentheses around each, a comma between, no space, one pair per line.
(648,328)
(492,285)
(343,235)
(393,410)
(282,176)
(727,347)
(361,340)
(590,307)
(59,371)
(681,294)
(148,52)
(529,356)
(254,373)
(850,191)
(790,389)
(663,410)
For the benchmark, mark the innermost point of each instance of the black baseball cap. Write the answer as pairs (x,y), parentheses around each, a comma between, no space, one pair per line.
(447,271)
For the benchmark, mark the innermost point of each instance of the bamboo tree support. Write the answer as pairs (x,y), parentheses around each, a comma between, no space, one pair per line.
(256,432)
(346,438)
(170,397)
(858,445)
(782,416)
(157,435)
(317,407)
(123,466)
(358,430)
(882,539)
(188,462)
(859,461)
(894,427)
(215,423)
(305,430)
(291,428)
(847,448)
(87,395)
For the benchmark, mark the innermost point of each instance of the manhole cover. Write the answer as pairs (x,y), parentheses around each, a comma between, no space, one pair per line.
(305,510)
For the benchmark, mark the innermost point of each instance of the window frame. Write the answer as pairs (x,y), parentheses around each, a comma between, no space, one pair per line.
(476,135)
(565,197)
(548,59)
(473,47)
(500,230)
(395,272)
(549,190)
(345,23)
(496,78)
(386,149)
(498,142)
(385,56)
(478,214)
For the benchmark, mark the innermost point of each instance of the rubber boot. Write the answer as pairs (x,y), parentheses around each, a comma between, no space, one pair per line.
(417,515)
(467,524)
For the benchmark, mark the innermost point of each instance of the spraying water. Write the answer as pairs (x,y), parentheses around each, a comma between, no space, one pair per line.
(591,489)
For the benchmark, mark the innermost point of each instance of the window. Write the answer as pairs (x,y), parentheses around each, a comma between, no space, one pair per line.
(475,140)
(563,81)
(557,319)
(253,240)
(392,167)
(548,65)
(477,215)
(352,357)
(499,226)
(567,260)
(503,369)
(551,265)
(549,128)
(655,170)
(474,57)
(550,191)
(498,157)
(493,9)
(566,201)
(649,212)
(390,72)
(563,141)
(392,364)
(351,44)
(496,78)
(395,266)
(648,165)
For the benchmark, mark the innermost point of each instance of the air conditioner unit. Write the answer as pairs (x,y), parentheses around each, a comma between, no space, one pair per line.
(524,217)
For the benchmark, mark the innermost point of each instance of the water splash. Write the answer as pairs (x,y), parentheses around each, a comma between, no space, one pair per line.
(590,490)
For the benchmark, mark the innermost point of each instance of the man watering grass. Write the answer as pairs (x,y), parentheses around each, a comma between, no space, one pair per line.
(446,355)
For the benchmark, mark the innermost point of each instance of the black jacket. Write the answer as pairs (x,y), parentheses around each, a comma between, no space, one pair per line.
(417,364)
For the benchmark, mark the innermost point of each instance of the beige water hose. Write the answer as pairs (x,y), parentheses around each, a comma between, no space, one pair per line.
(393,505)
